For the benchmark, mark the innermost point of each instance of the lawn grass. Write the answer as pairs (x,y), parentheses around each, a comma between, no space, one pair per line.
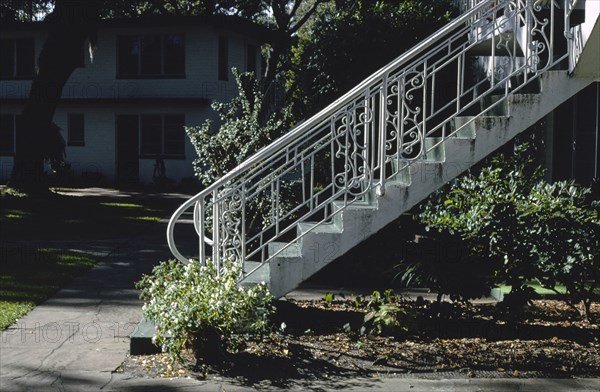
(542,290)
(29,276)
(63,217)
(33,267)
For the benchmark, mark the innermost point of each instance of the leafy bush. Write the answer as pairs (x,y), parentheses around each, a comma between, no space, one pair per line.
(195,308)
(384,315)
(563,230)
(526,229)
(246,126)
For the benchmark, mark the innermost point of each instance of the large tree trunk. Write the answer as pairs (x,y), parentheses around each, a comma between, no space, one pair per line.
(38,139)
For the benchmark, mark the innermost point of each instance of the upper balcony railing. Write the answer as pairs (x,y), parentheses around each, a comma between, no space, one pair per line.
(349,151)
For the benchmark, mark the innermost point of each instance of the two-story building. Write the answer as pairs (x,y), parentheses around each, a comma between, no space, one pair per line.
(149,78)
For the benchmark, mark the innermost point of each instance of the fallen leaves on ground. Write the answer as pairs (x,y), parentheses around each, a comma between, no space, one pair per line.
(550,340)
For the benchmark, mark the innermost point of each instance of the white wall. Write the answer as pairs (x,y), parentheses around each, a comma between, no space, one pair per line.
(97,81)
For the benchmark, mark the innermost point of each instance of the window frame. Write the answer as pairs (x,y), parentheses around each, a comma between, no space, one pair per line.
(141,143)
(14,119)
(138,74)
(16,64)
(223,58)
(251,52)
(70,141)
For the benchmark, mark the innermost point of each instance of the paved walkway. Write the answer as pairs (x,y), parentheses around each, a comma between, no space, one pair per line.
(77,340)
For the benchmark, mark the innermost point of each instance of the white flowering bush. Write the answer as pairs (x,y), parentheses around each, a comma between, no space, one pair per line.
(195,308)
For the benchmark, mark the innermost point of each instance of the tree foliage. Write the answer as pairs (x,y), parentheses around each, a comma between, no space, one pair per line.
(244,128)
(349,40)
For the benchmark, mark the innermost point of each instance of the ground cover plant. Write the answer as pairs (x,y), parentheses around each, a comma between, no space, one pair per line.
(196,307)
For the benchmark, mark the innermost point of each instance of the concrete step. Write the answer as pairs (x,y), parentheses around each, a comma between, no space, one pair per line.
(257,273)
(316,228)
(434,149)
(291,250)
(140,340)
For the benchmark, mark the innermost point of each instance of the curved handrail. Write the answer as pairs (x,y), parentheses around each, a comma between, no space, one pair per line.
(300,130)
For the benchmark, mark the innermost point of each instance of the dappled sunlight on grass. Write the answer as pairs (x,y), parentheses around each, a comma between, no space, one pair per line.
(15,214)
(28,278)
(31,269)
(65,217)
(122,205)
(144,218)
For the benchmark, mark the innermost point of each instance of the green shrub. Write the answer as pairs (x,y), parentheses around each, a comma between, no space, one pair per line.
(384,314)
(563,231)
(195,308)
(246,125)
(523,228)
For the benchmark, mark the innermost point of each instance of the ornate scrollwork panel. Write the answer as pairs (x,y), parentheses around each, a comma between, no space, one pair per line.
(231,208)
(351,131)
(411,137)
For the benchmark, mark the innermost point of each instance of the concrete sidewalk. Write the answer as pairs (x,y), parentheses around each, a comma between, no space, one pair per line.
(78,339)
(83,331)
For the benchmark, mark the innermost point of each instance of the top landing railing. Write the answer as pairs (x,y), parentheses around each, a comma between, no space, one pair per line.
(347,153)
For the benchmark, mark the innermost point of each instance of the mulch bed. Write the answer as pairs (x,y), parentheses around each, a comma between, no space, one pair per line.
(322,341)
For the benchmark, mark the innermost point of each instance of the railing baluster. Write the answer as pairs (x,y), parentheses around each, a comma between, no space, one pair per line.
(202,243)
(459,82)
(216,251)
(382,134)
(243,212)
(424,125)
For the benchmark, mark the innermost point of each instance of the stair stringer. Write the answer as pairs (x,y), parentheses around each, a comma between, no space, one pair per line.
(324,243)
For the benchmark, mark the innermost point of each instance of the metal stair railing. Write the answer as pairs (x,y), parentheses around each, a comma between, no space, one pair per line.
(347,152)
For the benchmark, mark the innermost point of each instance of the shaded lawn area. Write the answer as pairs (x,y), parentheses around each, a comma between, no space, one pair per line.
(64,217)
(28,278)
(32,271)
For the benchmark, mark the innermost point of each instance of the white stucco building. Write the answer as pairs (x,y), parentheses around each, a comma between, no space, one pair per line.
(149,77)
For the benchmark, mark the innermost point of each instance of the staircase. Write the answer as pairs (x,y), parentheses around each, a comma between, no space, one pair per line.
(402,133)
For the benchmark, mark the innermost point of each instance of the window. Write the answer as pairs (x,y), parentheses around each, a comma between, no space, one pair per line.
(162,135)
(17,58)
(8,127)
(75,130)
(223,58)
(251,58)
(151,56)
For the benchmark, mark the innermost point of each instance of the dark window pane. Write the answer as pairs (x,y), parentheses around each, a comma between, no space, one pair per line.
(174,56)
(251,59)
(151,55)
(7,134)
(25,57)
(7,58)
(128,55)
(223,58)
(174,135)
(151,135)
(76,136)
(82,56)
